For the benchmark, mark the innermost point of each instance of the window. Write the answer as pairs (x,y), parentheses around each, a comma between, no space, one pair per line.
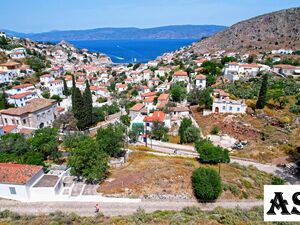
(12,190)
(17,122)
(230,108)
(24,121)
(238,109)
(147,124)
(5,120)
(224,108)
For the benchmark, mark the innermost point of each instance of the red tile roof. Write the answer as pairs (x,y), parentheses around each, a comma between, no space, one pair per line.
(163,97)
(149,99)
(8,128)
(137,107)
(22,86)
(284,66)
(148,94)
(180,73)
(158,116)
(200,77)
(21,95)
(17,173)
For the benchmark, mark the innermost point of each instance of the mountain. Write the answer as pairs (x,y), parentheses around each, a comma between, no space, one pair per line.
(275,30)
(167,32)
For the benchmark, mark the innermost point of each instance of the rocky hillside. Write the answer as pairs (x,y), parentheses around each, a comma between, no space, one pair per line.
(270,31)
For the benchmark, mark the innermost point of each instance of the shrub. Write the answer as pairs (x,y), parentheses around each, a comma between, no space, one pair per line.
(277,181)
(210,153)
(285,120)
(191,134)
(295,109)
(206,184)
(215,130)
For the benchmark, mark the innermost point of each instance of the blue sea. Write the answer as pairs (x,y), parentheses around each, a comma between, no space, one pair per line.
(128,51)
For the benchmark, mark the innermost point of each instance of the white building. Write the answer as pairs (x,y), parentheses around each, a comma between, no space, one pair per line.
(180,76)
(20,89)
(56,87)
(19,100)
(46,78)
(28,182)
(37,113)
(201,81)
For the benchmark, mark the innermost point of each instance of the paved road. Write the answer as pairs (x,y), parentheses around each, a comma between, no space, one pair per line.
(114,209)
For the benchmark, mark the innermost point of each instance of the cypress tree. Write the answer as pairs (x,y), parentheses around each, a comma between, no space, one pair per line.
(262,98)
(66,90)
(73,89)
(3,101)
(88,104)
(78,109)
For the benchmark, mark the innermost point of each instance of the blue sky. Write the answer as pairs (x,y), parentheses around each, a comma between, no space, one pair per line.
(45,15)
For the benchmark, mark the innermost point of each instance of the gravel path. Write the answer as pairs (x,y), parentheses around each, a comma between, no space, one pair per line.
(115,209)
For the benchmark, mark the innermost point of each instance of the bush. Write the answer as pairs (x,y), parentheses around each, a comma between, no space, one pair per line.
(285,120)
(191,134)
(210,153)
(277,181)
(295,109)
(215,130)
(206,184)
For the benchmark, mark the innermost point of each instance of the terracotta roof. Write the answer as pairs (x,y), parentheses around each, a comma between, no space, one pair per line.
(221,92)
(179,109)
(10,64)
(55,81)
(17,173)
(68,77)
(8,128)
(284,66)
(137,107)
(200,77)
(60,109)
(201,60)
(21,95)
(149,99)
(163,97)
(46,75)
(180,73)
(121,85)
(250,65)
(26,131)
(22,86)
(161,105)
(31,106)
(158,116)
(148,94)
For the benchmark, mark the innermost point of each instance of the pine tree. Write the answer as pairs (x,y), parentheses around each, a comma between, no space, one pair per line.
(78,109)
(66,90)
(88,104)
(262,98)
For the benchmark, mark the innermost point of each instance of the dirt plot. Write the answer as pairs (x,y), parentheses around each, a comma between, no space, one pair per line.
(155,177)
(264,140)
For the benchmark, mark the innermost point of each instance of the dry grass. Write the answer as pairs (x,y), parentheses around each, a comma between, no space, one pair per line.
(147,174)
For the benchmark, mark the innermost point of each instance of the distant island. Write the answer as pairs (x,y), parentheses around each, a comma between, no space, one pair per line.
(166,32)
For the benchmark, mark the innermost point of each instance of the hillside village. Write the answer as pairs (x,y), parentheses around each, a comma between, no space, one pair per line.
(61,101)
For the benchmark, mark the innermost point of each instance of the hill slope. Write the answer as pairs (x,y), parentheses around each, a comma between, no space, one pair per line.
(270,31)
(167,32)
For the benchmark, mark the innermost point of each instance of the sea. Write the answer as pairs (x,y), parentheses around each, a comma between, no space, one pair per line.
(133,51)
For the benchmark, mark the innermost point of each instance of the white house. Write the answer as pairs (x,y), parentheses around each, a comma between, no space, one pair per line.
(19,100)
(37,113)
(179,76)
(29,182)
(56,87)
(121,87)
(16,180)
(46,78)
(200,81)
(6,77)
(135,110)
(2,34)
(17,55)
(20,89)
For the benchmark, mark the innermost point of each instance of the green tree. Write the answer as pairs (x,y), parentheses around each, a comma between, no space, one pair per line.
(88,160)
(191,134)
(159,131)
(78,109)
(125,119)
(262,98)
(66,91)
(88,105)
(45,141)
(185,124)
(206,183)
(178,92)
(205,99)
(3,101)
(210,153)
(56,97)
(112,139)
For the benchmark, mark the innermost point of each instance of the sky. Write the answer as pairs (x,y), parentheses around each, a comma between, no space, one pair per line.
(46,15)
